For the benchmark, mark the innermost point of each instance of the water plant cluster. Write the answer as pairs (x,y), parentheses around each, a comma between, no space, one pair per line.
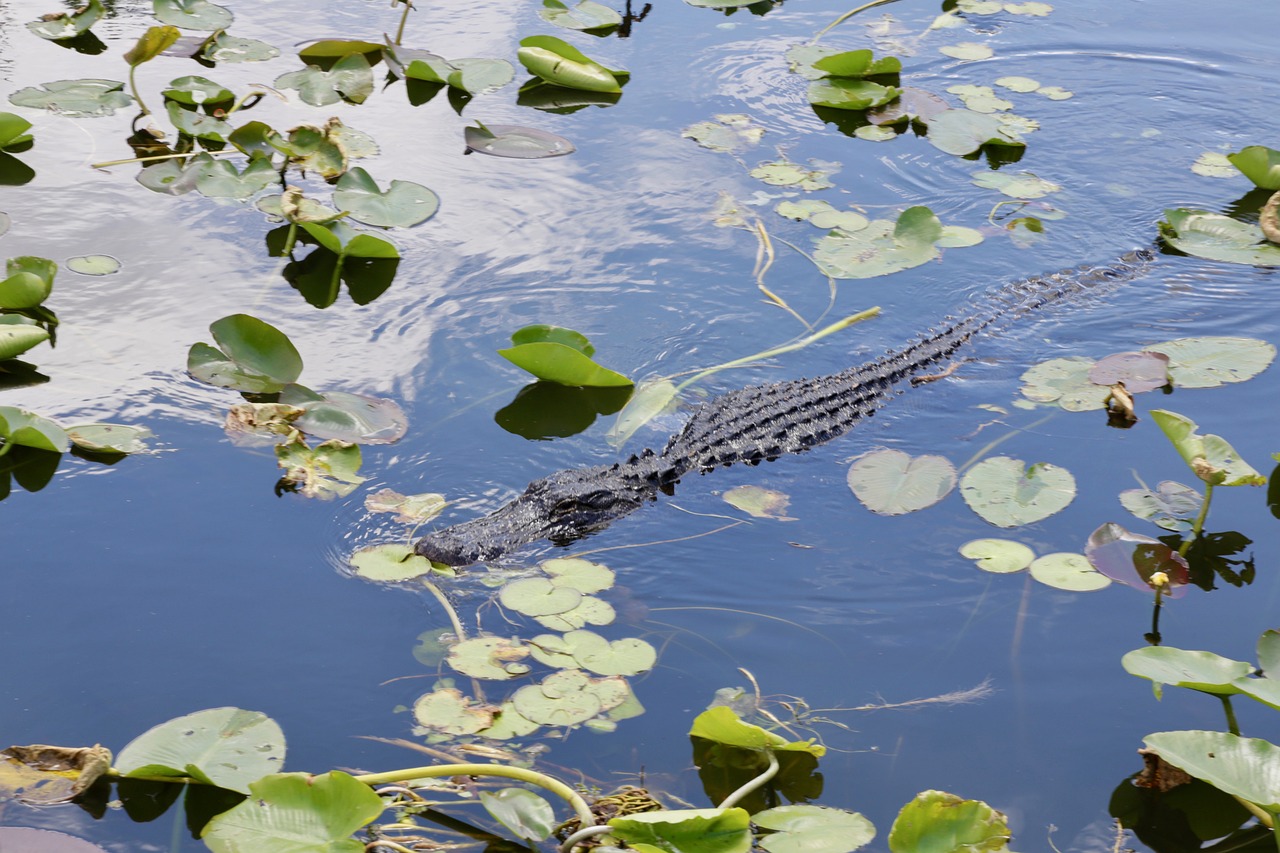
(568,675)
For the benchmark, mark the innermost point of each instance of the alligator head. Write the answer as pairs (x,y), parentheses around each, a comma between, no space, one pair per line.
(562,507)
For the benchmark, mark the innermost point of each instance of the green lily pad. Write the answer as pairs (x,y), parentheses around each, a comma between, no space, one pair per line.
(1259,164)
(1055,93)
(980,99)
(296,813)
(527,816)
(979,7)
(847,93)
(569,697)
(220,179)
(1170,505)
(222,47)
(1210,457)
(1022,185)
(350,78)
(92,264)
(1212,164)
(559,355)
(1217,237)
(509,723)
(722,725)
(687,830)
(254,356)
(759,502)
(403,204)
(586,15)
(447,711)
(227,747)
(854,63)
(193,14)
(1032,9)
(1064,381)
(516,142)
(109,439)
(389,563)
(885,247)
(1240,766)
(198,125)
(494,658)
(13,132)
(726,132)
(967,50)
(1018,84)
(325,52)
(27,429)
(538,597)
(588,650)
(473,76)
(560,63)
(822,215)
(1009,493)
(195,91)
(75,98)
(152,43)
(19,334)
(68,25)
(784,173)
(872,133)
(588,611)
(804,828)
(963,132)
(409,509)
(325,471)
(999,556)
(341,239)
(1204,671)
(938,822)
(28,283)
(576,573)
(890,482)
(1208,362)
(1072,572)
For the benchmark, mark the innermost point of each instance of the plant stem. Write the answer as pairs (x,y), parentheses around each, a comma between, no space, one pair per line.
(846,16)
(408,7)
(127,160)
(1264,817)
(520,774)
(737,796)
(1197,526)
(1232,725)
(133,87)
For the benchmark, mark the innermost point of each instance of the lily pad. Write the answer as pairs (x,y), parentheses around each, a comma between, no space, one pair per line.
(1137,561)
(701,830)
(1210,457)
(254,356)
(551,355)
(516,142)
(92,264)
(109,439)
(341,239)
(999,556)
(569,697)
(193,14)
(1259,164)
(227,747)
(76,98)
(527,816)
(854,63)
(1170,505)
(726,132)
(1139,371)
(967,50)
(326,52)
(403,204)
(1072,572)
(963,132)
(939,822)
(784,173)
(538,597)
(1240,766)
(447,711)
(1204,671)
(222,47)
(28,282)
(871,133)
(1032,9)
(560,63)
(1009,493)
(721,724)
(350,78)
(590,651)
(891,482)
(1212,164)
(220,179)
(1018,84)
(68,25)
(1064,381)
(325,471)
(576,573)
(980,99)
(759,502)
(804,828)
(19,334)
(1022,185)
(494,658)
(296,812)
(473,76)
(847,93)
(822,215)
(409,509)
(389,563)
(1055,93)
(1208,362)
(1217,237)
(27,429)
(885,247)
(586,15)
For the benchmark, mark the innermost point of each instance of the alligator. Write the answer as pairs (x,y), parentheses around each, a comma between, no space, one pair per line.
(750,425)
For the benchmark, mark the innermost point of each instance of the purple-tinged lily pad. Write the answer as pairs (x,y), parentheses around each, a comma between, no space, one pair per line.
(1137,561)
(1139,371)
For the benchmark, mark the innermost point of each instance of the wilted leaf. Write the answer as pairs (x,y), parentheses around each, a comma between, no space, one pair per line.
(727,132)
(325,471)
(409,509)
(1139,371)
(759,502)
(1137,561)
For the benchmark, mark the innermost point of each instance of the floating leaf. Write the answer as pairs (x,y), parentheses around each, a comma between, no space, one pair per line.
(1072,572)
(1139,371)
(1240,766)
(350,78)
(1064,381)
(854,63)
(871,133)
(473,76)
(1212,164)
(92,264)
(1210,457)
(588,650)
(560,63)
(999,556)
(516,142)
(1259,164)
(489,657)
(678,830)
(890,482)
(538,597)
(19,334)
(1137,561)
(1008,493)
(1033,9)
(326,52)
(1204,671)
(1022,185)
(967,50)
(75,98)
(569,697)
(980,99)
(1171,505)
(1217,237)
(29,282)
(885,247)
(403,204)
(222,47)
(759,502)
(576,573)
(227,747)
(651,398)
(804,828)
(528,816)
(325,471)
(389,563)
(727,132)
(296,812)
(68,25)
(409,509)
(1055,93)
(109,439)
(559,355)
(1208,362)
(846,93)
(722,725)
(27,429)
(938,822)
(343,240)
(822,215)
(784,173)
(254,356)
(193,14)
(1018,84)
(219,178)
(585,15)
(447,711)
(964,132)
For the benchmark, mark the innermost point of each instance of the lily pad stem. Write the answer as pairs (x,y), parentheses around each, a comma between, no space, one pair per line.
(408,7)
(1197,526)
(846,16)
(758,782)
(520,774)
(582,835)
(133,87)
(1264,817)
(448,608)
(1232,725)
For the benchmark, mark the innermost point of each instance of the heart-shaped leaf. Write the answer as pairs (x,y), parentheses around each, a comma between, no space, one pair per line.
(1008,493)
(404,203)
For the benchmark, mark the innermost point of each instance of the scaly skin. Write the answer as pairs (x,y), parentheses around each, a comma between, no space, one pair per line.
(751,425)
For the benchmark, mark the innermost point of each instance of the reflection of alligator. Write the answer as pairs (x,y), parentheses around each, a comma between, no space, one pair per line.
(753,424)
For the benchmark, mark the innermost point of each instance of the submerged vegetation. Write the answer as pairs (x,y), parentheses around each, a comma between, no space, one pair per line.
(528,662)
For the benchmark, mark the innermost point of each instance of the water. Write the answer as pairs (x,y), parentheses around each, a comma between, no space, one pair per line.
(178,581)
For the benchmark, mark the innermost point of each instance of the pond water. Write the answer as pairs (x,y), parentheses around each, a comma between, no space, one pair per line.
(178,580)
